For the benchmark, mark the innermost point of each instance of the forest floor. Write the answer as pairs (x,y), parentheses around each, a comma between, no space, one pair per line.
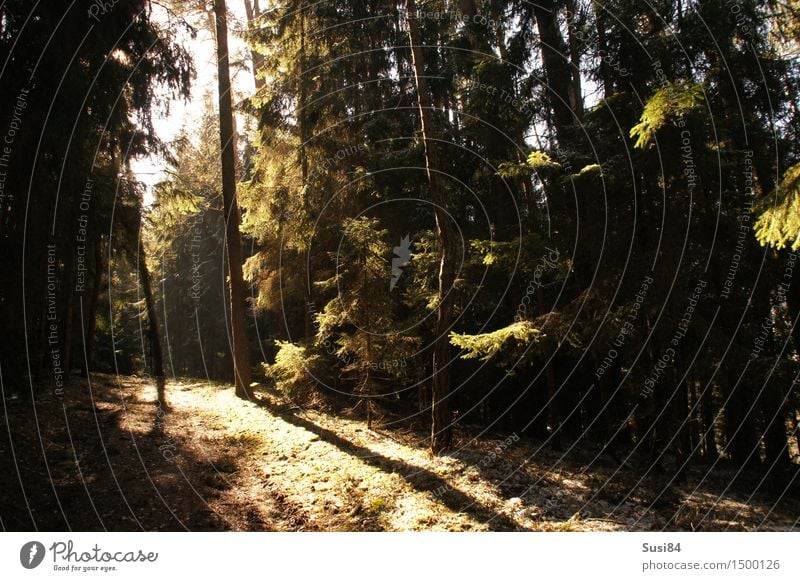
(117,461)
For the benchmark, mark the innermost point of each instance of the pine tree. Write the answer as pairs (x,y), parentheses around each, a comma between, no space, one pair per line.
(236,288)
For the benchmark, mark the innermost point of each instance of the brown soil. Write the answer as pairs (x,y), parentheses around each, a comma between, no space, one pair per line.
(107,457)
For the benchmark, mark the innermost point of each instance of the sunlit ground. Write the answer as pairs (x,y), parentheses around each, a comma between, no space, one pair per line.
(332,473)
(215,462)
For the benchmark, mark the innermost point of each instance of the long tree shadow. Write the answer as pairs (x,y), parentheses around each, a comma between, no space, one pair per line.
(89,472)
(420,479)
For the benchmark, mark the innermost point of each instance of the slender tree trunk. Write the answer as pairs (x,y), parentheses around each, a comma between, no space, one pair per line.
(252,11)
(605,425)
(441,430)
(38,327)
(302,121)
(709,423)
(553,415)
(605,69)
(576,90)
(500,35)
(302,114)
(153,328)
(742,435)
(794,434)
(368,390)
(683,424)
(790,83)
(556,67)
(68,288)
(91,319)
(241,348)
(775,412)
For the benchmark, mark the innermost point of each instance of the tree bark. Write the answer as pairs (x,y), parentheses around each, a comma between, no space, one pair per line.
(241,349)
(441,429)
(302,122)
(775,412)
(153,328)
(556,67)
(91,319)
(707,404)
(252,10)
(576,89)
(605,69)
(68,288)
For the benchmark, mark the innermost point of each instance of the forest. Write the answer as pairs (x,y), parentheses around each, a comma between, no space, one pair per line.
(402,265)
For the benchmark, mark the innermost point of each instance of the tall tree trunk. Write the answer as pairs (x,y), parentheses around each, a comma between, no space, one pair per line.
(606,72)
(252,11)
(575,88)
(556,67)
(367,390)
(302,121)
(153,329)
(68,288)
(91,319)
(241,349)
(441,431)
(302,114)
(553,416)
(774,413)
(708,405)
(741,434)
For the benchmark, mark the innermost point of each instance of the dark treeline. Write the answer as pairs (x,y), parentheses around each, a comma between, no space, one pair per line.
(569,219)
(602,167)
(80,89)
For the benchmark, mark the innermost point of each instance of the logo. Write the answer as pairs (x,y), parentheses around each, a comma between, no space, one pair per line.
(403,256)
(31,554)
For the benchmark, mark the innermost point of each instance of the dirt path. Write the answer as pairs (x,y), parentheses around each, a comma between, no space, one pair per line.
(116,461)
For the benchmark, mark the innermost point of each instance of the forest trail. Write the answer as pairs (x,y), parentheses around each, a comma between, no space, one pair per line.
(215,462)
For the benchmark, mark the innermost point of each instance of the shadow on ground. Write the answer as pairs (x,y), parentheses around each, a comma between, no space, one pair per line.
(70,465)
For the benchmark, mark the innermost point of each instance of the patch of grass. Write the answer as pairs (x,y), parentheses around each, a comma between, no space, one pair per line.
(571,525)
(244,440)
(375,506)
